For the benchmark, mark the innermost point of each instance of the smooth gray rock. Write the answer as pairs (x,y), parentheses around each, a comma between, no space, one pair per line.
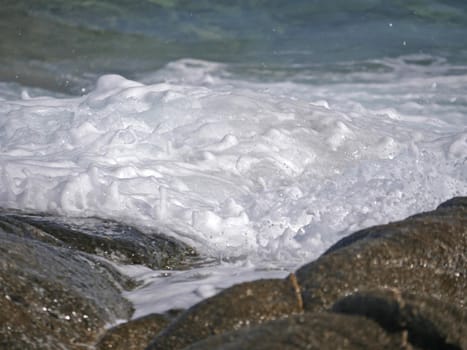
(53,297)
(114,241)
(59,288)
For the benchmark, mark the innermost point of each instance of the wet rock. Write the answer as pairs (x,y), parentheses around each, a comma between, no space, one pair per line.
(52,297)
(59,288)
(454,202)
(428,322)
(133,335)
(320,331)
(400,285)
(424,254)
(242,305)
(114,241)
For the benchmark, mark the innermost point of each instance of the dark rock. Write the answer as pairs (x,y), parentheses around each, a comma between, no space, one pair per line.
(454,202)
(107,238)
(424,254)
(61,293)
(236,307)
(320,331)
(133,335)
(52,297)
(428,322)
(400,285)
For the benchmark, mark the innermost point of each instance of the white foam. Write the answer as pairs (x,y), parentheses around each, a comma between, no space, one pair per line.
(274,172)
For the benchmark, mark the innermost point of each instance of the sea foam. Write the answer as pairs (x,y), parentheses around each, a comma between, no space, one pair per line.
(269,173)
(238,168)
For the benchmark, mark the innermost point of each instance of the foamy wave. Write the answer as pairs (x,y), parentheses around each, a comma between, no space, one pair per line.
(271,171)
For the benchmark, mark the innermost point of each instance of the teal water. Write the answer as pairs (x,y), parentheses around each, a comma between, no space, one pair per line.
(64,45)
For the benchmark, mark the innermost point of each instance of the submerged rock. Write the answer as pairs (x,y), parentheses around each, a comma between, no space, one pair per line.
(114,241)
(242,305)
(53,297)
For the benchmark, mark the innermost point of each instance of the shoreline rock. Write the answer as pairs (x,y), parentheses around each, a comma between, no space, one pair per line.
(58,287)
(239,306)
(428,322)
(130,335)
(423,258)
(322,330)
(53,298)
(423,254)
(117,242)
(400,285)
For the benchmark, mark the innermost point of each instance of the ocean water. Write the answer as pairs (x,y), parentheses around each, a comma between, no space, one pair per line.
(259,132)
